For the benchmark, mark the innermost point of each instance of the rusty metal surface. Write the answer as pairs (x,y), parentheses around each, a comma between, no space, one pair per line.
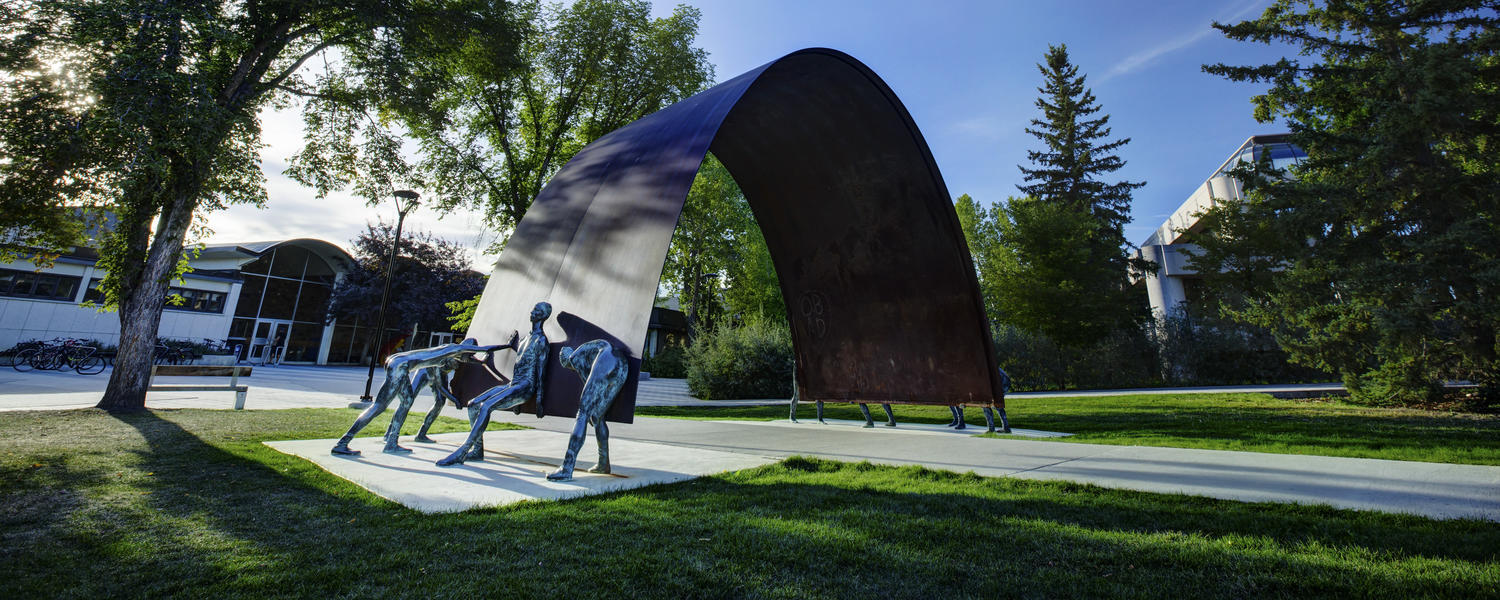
(879,284)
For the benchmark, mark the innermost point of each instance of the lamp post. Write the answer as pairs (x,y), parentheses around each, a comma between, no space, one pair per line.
(406,200)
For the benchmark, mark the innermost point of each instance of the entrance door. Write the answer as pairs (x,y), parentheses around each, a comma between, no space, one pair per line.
(268,345)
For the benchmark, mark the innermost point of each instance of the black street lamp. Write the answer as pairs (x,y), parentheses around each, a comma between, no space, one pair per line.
(406,200)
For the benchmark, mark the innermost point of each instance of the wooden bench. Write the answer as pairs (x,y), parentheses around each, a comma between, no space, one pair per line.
(232,372)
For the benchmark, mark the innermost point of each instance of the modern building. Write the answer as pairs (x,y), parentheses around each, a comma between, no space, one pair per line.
(261,296)
(1175,282)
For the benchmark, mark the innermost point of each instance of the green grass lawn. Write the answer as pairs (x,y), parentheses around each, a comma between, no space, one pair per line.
(190,503)
(1251,422)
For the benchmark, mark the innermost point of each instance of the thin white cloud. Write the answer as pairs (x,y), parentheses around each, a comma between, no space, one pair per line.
(1144,58)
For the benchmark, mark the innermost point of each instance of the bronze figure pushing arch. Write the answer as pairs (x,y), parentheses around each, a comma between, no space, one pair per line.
(878,281)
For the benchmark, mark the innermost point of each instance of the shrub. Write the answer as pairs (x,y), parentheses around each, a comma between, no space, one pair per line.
(1199,350)
(1036,362)
(750,361)
(670,362)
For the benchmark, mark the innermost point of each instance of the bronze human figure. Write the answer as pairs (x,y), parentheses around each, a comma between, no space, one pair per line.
(604,369)
(399,386)
(526,383)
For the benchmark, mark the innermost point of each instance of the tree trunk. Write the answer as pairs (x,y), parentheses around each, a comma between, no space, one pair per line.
(142,298)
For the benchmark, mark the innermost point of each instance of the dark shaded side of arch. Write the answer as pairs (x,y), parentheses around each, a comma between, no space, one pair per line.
(879,284)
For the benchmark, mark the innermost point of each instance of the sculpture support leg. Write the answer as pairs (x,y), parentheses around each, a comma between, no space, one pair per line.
(601,437)
(575,443)
(890,417)
(955,412)
(865,410)
(427,422)
(959,414)
(794,408)
(1004,422)
(820,413)
(393,431)
(477,452)
(496,398)
(989,420)
(382,399)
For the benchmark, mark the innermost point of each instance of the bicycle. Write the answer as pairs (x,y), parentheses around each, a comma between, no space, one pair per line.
(40,356)
(61,354)
(72,354)
(168,355)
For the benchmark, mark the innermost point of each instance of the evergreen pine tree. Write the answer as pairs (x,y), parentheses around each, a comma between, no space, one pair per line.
(1075,152)
(1380,258)
(1069,270)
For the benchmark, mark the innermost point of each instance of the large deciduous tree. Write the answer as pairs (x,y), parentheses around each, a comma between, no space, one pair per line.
(499,129)
(1380,257)
(1068,271)
(152,107)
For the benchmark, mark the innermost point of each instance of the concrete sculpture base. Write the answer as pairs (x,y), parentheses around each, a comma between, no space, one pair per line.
(515,468)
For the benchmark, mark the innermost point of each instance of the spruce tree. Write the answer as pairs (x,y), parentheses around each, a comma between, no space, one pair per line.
(1379,259)
(1073,288)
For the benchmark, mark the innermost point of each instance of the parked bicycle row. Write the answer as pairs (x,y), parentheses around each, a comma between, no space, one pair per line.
(89,357)
(60,354)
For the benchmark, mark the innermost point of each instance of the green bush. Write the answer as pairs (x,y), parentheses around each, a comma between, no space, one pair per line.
(670,363)
(750,361)
(1199,350)
(1036,362)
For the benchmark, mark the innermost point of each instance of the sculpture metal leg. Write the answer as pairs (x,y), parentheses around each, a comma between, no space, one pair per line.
(794,408)
(393,431)
(989,418)
(496,398)
(820,413)
(575,443)
(953,410)
(865,410)
(601,436)
(890,417)
(958,413)
(477,451)
(382,400)
(432,416)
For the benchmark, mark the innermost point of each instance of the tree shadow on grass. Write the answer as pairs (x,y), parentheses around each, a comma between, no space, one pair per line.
(244,520)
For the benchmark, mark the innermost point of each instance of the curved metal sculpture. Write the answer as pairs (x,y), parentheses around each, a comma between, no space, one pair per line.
(878,281)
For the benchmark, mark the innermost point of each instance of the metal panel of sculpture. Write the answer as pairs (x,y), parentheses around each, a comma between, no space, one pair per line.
(878,281)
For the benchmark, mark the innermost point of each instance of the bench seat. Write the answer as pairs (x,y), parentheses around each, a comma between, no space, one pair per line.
(232,372)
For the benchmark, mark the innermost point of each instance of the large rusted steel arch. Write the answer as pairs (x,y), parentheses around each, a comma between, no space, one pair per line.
(878,281)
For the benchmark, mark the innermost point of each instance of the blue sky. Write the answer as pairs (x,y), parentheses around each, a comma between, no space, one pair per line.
(966,70)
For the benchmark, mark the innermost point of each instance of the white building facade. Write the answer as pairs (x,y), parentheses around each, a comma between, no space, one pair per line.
(258,296)
(1174,282)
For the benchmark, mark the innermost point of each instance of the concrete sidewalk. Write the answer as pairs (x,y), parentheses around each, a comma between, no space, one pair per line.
(297,386)
(1436,490)
(1428,489)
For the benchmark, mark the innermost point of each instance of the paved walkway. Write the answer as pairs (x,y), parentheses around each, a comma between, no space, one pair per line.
(1430,489)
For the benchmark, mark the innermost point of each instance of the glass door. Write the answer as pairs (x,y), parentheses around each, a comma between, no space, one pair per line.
(268,344)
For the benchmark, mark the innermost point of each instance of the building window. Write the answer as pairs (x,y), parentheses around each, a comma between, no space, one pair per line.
(203,301)
(41,286)
(198,300)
